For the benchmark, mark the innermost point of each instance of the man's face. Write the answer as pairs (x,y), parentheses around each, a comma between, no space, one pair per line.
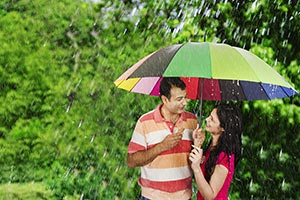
(177,102)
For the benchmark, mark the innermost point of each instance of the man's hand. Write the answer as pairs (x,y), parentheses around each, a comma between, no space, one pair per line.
(170,141)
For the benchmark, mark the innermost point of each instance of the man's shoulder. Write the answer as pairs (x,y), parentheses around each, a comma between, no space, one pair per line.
(147,116)
(189,115)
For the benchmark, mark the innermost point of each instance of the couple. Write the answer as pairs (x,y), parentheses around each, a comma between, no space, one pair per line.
(161,145)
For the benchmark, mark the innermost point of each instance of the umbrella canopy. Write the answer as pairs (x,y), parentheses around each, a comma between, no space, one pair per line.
(211,71)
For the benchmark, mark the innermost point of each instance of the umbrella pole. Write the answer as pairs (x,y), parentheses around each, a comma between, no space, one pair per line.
(201,97)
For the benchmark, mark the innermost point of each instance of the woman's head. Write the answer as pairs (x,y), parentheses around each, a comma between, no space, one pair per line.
(226,121)
(230,120)
(229,117)
(224,118)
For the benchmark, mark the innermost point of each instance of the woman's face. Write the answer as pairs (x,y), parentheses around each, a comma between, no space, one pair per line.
(213,123)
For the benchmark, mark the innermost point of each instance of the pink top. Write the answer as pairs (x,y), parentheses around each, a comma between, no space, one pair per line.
(228,162)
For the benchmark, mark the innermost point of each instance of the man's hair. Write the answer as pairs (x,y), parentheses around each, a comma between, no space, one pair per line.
(167,83)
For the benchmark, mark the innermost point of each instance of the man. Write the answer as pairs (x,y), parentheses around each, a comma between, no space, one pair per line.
(161,143)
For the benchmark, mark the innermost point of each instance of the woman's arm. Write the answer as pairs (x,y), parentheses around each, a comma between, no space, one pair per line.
(211,189)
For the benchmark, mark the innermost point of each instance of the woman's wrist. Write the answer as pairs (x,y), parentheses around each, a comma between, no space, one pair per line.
(196,168)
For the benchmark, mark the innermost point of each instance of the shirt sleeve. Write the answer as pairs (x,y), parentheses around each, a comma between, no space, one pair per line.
(138,141)
(225,160)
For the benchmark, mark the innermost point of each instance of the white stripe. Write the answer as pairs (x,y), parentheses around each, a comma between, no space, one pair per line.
(157,136)
(138,138)
(155,174)
(187,134)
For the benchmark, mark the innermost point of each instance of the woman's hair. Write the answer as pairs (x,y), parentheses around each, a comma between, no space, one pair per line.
(167,83)
(230,140)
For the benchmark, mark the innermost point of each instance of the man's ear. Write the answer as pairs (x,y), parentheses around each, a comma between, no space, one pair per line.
(164,99)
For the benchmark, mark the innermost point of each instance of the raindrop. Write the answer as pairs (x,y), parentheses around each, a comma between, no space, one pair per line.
(280,153)
(254,5)
(137,23)
(68,108)
(81,197)
(179,13)
(284,43)
(80,123)
(78,83)
(263,31)
(283,183)
(134,10)
(92,139)
(261,150)
(104,154)
(218,13)
(207,12)
(196,11)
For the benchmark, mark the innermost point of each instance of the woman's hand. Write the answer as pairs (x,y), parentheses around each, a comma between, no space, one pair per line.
(198,136)
(196,158)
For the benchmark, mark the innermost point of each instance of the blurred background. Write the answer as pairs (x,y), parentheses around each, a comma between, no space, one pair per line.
(65,127)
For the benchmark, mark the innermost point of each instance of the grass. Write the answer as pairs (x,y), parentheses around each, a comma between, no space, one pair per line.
(24,191)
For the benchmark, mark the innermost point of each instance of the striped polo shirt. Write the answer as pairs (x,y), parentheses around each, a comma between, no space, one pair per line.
(169,175)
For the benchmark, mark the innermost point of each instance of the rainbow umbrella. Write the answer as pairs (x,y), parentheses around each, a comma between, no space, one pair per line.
(211,71)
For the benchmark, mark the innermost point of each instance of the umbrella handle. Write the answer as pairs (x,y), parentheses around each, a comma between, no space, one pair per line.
(201,97)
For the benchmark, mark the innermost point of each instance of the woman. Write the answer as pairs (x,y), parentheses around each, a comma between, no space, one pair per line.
(213,169)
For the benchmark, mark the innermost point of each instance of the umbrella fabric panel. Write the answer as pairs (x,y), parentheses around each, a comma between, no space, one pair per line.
(191,60)
(127,84)
(227,63)
(211,91)
(274,91)
(146,85)
(131,70)
(289,91)
(253,91)
(231,90)
(263,71)
(156,63)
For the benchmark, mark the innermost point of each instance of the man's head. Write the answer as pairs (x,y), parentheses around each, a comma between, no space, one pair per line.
(167,83)
(173,94)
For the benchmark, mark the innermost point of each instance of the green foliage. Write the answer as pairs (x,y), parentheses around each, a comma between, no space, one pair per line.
(30,191)
(63,122)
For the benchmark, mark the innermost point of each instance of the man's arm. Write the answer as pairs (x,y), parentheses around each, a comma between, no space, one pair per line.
(141,158)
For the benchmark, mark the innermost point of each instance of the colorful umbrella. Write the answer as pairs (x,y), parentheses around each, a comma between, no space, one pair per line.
(211,71)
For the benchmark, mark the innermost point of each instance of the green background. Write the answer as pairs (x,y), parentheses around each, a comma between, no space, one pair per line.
(65,127)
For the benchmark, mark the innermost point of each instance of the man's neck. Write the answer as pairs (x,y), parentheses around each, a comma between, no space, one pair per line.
(167,115)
